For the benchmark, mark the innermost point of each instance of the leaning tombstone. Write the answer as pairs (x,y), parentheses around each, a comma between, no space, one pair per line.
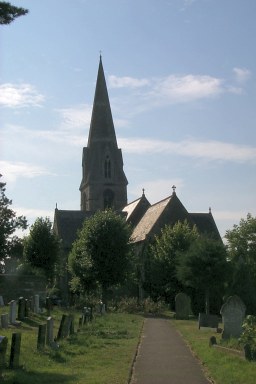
(182,306)
(49,331)
(21,308)
(62,328)
(15,350)
(41,336)
(3,348)
(12,312)
(5,320)
(233,313)
(1,301)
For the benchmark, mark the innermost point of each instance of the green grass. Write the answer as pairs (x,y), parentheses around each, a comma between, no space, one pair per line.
(100,353)
(220,366)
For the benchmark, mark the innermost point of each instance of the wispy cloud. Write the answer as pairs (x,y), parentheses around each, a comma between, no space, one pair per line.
(13,170)
(78,116)
(127,82)
(209,150)
(20,96)
(242,74)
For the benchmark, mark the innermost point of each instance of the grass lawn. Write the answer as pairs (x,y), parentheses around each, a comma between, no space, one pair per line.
(100,353)
(220,366)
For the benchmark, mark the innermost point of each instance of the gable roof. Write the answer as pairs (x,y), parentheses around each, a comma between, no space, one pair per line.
(136,209)
(206,225)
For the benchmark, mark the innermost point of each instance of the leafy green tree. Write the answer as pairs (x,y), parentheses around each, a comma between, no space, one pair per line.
(100,255)
(9,13)
(161,279)
(204,267)
(9,223)
(41,248)
(241,245)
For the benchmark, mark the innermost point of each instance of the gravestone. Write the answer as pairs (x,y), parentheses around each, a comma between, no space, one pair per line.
(27,307)
(3,348)
(62,328)
(48,305)
(182,306)
(233,313)
(41,336)
(49,331)
(1,301)
(4,320)
(15,350)
(21,308)
(36,304)
(13,312)
(207,320)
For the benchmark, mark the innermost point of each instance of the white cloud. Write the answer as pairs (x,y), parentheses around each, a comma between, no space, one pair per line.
(127,82)
(20,96)
(156,190)
(13,170)
(242,74)
(209,150)
(78,116)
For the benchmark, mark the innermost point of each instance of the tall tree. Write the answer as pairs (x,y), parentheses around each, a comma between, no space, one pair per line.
(9,13)
(204,267)
(161,279)
(100,255)
(41,247)
(9,223)
(241,244)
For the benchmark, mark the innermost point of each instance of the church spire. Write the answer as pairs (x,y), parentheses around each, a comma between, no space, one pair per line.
(102,126)
(104,184)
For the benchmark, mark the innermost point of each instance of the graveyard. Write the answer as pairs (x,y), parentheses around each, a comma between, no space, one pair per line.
(50,344)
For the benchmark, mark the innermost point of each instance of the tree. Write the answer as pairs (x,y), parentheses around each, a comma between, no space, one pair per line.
(161,279)
(241,245)
(204,267)
(9,223)
(41,248)
(100,255)
(9,13)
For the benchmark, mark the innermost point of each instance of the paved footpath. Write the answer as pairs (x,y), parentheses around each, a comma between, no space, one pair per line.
(164,358)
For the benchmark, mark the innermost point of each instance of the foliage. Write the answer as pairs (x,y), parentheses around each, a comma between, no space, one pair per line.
(242,253)
(161,279)
(41,247)
(132,305)
(100,255)
(9,13)
(9,223)
(248,337)
(203,265)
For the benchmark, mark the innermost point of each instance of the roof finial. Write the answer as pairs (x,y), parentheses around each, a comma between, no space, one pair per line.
(174,188)
(56,206)
(100,54)
(210,210)
(143,191)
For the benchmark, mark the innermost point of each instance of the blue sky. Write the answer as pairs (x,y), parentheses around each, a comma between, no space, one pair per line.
(181,82)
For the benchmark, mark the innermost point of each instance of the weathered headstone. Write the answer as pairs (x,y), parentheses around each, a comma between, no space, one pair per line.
(21,308)
(233,313)
(36,304)
(49,331)
(48,305)
(62,328)
(4,320)
(13,312)
(15,350)
(3,348)
(27,307)
(41,336)
(1,301)
(182,306)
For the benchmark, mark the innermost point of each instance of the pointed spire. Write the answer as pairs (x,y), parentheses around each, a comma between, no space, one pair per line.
(102,126)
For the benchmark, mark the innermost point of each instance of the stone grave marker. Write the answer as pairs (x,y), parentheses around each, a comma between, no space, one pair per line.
(21,308)
(49,331)
(15,350)
(41,336)
(12,312)
(182,306)
(48,305)
(3,348)
(233,313)
(5,320)
(62,332)
(36,304)
(205,320)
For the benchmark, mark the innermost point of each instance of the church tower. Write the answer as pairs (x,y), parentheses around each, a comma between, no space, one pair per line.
(104,184)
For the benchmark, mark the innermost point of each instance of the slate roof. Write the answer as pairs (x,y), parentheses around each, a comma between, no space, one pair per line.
(136,209)
(206,225)
(67,223)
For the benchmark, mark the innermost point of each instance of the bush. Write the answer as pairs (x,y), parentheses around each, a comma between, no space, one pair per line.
(248,337)
(132,305)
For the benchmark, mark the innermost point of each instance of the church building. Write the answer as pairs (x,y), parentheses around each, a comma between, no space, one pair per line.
(104,185)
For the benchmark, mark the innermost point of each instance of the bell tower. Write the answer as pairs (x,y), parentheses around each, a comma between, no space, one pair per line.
(104,184)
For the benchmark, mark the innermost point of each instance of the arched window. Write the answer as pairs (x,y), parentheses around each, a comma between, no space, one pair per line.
(107,168)
(108,198)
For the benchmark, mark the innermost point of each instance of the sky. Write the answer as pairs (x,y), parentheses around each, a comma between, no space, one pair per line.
(181,82)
